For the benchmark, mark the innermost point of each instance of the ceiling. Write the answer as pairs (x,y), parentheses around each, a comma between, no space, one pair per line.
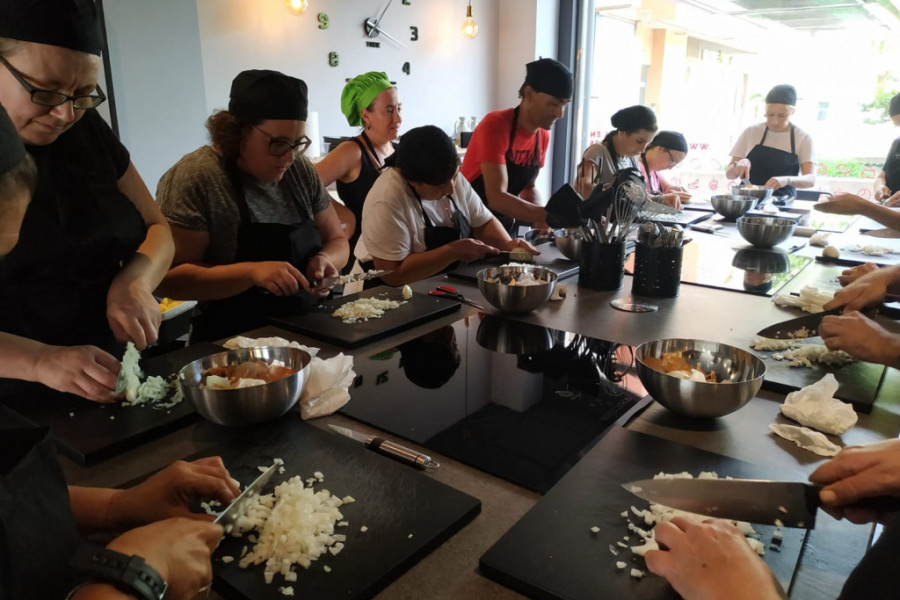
(809,14)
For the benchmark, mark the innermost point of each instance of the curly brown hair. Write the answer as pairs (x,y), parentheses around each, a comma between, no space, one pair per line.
(226,132)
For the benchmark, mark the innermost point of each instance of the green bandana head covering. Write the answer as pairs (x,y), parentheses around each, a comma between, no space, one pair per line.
(359,93)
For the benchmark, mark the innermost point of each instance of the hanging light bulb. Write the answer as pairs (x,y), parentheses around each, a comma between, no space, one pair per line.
(469,26)
(296,7)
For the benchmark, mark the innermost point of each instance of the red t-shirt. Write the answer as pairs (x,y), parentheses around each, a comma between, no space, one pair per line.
(491,139)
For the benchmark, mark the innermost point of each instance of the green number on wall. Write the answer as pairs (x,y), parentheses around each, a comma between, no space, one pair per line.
(406,2)
(333,59)
(323,21)
(405,68)
(413,34)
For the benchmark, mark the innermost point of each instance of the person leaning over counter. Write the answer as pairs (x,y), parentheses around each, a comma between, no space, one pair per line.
(421,216)
(508,147)
(93,245)
(887,183)
(371,101)
(713,560)
(776,153)
(851,204)
(665,151)
(633,130)
(253,224)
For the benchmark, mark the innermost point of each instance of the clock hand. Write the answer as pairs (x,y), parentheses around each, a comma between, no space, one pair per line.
(371,25)
(384,10)
(381,31)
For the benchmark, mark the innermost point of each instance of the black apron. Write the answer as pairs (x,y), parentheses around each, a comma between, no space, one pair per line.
(892,168)
(517,176)
(766,162)
(257,242)
(37,530)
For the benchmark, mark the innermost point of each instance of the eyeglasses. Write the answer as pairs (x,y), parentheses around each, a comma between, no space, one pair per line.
(672,161)
(53,97)
(279,146)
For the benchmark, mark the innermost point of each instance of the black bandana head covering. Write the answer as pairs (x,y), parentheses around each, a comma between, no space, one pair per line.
(782,94)
(894,108)
(550,77)
(73,24)
(263,95)
(11,149)
(670,140)
(634,118)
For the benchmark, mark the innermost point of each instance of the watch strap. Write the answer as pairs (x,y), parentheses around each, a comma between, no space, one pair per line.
(131,574)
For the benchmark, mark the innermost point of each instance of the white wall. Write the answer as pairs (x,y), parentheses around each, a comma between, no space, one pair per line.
(450,75)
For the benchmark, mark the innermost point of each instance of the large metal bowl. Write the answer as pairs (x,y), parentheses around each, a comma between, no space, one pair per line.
(515,337)
(516,299)
(569,242)
(250,405)
(765,232)
(739,374)
(732,206)
(760,193)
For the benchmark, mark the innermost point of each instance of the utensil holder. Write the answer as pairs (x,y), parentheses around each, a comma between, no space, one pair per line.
(602,266)
(657,271)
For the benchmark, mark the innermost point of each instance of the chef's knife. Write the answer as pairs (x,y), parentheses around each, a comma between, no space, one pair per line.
(786,330)
(237,508)
(390,449)
(792,503)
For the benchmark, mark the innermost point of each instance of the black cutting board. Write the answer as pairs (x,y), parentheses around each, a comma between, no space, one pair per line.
(552,554)
(318,323)
(408,514)
(88,431)
(550,258)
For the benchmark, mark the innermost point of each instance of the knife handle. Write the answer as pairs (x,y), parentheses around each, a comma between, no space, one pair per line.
(402,453)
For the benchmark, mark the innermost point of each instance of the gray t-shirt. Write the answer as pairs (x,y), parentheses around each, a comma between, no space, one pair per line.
(603,168)
(197,194)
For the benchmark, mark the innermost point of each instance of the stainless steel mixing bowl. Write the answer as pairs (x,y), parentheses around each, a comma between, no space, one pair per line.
(732,206)
(494,283)
(765,232)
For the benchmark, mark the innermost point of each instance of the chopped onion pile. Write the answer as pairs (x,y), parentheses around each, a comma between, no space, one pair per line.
(365,309)
(151,391)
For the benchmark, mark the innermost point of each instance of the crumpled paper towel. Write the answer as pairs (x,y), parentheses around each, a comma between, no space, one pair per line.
(327,388)
(806,438)
(810,299)
(815,406)
(277,342)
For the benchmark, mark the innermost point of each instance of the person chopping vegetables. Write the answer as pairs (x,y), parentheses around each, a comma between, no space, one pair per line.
(776,153)
(93,244)
(253,224)
(508,146)
(887,182)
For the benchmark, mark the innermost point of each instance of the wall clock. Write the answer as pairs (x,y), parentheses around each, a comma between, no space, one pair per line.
(375,32)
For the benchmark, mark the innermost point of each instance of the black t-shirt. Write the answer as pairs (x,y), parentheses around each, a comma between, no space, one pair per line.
(877,575)
(892,167)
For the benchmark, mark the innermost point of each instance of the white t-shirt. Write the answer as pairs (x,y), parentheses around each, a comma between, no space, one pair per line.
(392,223)
(781,140)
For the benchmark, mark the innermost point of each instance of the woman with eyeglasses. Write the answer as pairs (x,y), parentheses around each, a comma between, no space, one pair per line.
(93,244)
(422,215)
(253,225)
(666,151)
(633,129)
(369,101)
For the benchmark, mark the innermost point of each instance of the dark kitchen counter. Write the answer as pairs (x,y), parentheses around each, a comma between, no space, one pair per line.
(699,312)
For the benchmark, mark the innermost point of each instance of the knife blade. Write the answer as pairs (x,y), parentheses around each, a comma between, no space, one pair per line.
(239,505)
(390,449)
(794,504)
(333,280)
(786,330)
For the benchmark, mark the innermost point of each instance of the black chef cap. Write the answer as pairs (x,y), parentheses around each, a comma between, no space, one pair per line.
(894,108)
(550,77)
(782,94)
(263,95)
(670,140)
(426,155)
(73,24)
(11,149)
(634,118)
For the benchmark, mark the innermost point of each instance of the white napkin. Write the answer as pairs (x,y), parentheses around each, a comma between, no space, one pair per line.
(327,388)
(815,406)
(277,342)
(806,438)
(810,299)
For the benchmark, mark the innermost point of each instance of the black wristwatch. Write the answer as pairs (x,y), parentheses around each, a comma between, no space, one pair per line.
(130,574)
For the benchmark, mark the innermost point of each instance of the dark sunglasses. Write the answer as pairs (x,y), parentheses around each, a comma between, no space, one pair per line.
(280,146)
(53,97)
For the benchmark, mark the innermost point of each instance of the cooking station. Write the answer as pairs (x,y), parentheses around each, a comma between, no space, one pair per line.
(535,420)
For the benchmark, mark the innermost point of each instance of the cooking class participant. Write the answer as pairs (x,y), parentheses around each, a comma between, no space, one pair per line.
(664,152)
(93,244)
(851,204)
(369,101)
(252,222)
(775,153)
(620,149)
(508,147)
(422,216)
(713,560)
(887,183)
(18,178)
